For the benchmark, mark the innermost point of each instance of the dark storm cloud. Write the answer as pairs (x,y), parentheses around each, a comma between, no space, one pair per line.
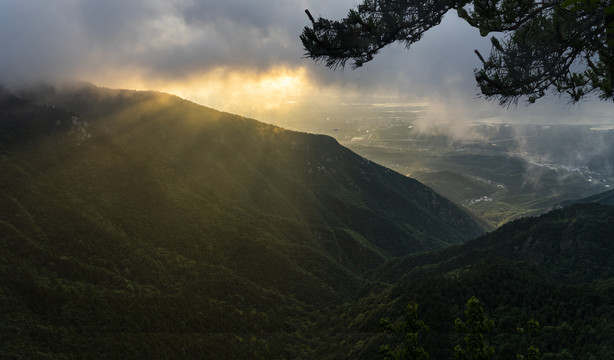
(240,34)
(167,38)
(249,14)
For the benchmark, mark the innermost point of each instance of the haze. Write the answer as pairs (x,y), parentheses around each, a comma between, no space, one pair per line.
(245,57)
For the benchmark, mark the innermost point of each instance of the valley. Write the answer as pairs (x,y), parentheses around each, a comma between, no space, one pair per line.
(496,171)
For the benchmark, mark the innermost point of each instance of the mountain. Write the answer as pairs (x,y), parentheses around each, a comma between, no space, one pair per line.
(556,268)
(140,225)
(605,198)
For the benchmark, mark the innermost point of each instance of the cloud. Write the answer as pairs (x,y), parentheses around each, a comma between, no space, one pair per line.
(177,38)
(161,38)
(147,43)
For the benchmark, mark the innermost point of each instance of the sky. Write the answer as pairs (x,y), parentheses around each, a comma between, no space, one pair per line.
(245,57)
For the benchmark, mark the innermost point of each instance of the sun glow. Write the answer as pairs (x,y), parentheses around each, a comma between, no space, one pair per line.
(248,93)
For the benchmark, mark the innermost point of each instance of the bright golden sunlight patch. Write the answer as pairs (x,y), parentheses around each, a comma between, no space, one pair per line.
(247,93)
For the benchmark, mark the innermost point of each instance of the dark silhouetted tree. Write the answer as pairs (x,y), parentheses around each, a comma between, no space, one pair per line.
(532,329)
(411,328)
(474,327)
(564,46)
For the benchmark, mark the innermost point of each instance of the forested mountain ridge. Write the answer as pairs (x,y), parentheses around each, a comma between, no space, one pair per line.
(142,224)
(606,198)
(556,268)
(572,244)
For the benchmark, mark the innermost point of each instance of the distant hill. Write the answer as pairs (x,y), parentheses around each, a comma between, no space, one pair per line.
(605,198)
(140,225)
(557,268)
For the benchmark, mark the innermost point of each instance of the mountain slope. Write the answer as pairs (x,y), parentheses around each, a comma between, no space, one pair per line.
(556,268)
(605,198)
(140,223)
(573,245)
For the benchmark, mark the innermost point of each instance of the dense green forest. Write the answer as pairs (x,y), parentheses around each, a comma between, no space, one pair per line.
(556,269)
(140,225)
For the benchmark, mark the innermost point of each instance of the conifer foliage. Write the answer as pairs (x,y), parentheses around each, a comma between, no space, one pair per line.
(411,328)
(563,46)
(474,327)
